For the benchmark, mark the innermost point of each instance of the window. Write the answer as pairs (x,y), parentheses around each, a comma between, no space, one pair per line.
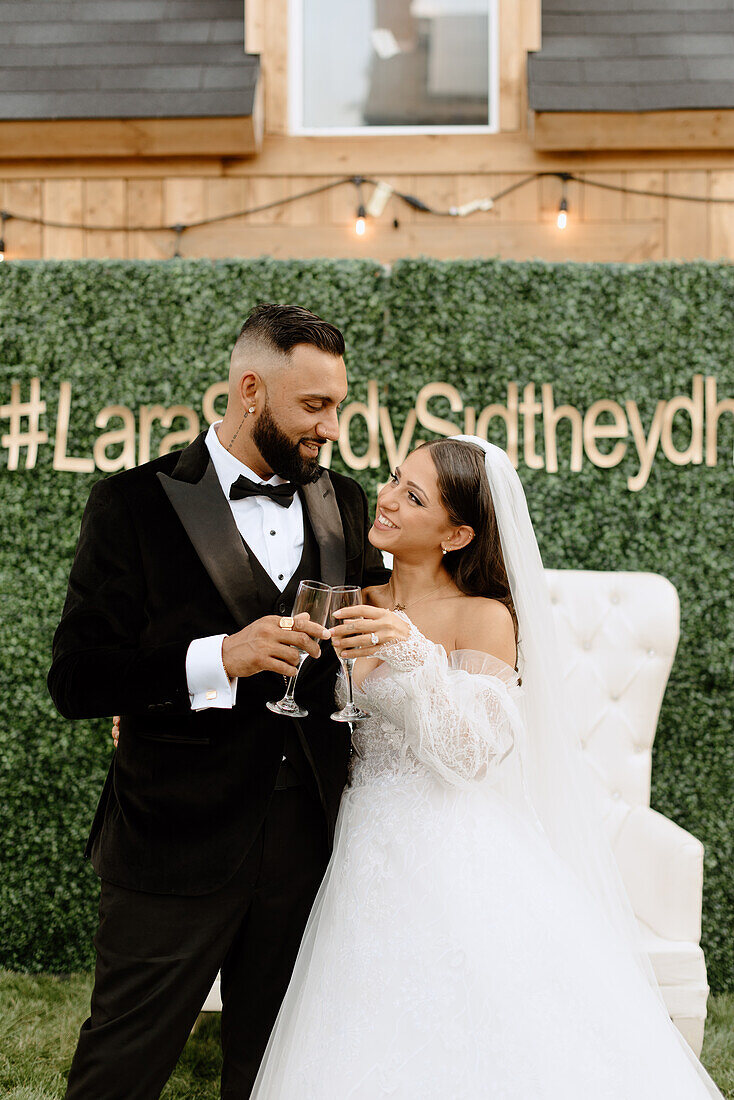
(393,66)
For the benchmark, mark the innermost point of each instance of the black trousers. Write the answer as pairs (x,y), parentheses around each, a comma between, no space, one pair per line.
(157,956)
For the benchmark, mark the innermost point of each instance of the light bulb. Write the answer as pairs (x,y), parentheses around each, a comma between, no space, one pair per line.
(562,219)
(359,227)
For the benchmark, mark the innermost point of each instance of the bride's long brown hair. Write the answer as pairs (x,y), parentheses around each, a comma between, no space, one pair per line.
(478,569)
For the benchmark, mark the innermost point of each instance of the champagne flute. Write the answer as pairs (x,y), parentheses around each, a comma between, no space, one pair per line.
(313,597)
(346,595)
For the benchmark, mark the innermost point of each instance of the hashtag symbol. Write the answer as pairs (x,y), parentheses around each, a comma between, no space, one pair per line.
(16,412)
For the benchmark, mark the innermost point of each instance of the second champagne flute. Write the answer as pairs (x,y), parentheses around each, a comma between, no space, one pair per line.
(346,595)
(313,597)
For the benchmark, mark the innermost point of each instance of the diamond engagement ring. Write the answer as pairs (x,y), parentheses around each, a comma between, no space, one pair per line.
(286,623)
(374,638)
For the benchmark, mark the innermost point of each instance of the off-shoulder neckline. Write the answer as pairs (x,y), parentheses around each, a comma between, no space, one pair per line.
(464,649)
(483,653)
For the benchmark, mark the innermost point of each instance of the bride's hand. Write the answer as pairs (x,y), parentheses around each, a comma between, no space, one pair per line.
(361,625)
(116,729)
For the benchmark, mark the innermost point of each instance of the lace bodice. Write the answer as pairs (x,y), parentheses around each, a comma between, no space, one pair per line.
(453,715)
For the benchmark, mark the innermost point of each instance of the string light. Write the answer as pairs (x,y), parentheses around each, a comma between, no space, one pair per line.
(361,223)
(379,197)
(562,219)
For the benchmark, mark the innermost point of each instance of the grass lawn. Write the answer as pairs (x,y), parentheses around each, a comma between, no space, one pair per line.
(40,1016)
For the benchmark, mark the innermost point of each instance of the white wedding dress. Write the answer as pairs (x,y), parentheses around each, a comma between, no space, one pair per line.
(450,953)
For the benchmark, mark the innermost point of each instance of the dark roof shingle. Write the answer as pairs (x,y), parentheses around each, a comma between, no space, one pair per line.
(125,59)
(633,55)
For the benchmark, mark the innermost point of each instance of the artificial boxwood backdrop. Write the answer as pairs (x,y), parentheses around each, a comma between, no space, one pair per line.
(160,333)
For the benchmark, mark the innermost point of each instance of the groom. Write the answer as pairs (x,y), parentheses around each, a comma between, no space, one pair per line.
(215,822)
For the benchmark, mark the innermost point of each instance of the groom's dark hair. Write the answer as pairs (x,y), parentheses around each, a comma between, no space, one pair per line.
(284,326)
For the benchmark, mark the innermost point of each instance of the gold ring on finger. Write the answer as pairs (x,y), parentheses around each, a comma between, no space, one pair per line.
(286,623)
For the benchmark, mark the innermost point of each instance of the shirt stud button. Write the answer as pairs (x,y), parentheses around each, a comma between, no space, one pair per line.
(280,576)
(272,532)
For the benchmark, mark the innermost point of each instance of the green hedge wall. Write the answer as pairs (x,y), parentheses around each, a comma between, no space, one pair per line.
(160,333)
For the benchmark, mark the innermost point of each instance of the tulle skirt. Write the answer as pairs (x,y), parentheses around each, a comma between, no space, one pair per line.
(450,954)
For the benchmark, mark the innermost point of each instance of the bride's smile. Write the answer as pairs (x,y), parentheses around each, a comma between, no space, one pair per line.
(410,518)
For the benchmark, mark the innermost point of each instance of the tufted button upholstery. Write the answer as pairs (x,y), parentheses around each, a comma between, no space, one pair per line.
(610,626)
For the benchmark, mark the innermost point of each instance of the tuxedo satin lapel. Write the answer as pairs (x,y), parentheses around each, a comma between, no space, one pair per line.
(327,526)
(192,460)
(207,518)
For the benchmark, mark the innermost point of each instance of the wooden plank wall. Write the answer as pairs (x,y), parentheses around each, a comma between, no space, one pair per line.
(108,196)
(602,225)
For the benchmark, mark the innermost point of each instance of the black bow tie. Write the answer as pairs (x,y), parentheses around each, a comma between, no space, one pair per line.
(280,494)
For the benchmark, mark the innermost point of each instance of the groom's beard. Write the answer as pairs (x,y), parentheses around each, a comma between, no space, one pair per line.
(280,453)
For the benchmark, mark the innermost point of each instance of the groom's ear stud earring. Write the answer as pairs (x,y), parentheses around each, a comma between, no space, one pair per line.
(251,409)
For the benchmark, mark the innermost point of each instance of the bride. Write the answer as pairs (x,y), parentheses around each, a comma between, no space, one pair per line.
(471,937)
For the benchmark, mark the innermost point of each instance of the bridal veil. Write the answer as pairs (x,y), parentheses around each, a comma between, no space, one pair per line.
(556,778)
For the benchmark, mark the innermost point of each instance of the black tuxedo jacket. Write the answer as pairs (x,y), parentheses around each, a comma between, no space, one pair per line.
(160,562)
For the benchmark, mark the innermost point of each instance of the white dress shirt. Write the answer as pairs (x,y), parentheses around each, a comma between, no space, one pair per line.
(275,535)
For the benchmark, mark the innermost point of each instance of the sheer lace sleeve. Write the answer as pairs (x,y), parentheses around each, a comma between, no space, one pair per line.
(461,719)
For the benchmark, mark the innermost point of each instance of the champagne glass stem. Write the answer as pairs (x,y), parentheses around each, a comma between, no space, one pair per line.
(347,596)
(312,598)
(288,699)
(348,666)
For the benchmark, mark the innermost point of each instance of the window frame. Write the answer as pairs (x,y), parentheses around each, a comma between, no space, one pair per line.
(295,88)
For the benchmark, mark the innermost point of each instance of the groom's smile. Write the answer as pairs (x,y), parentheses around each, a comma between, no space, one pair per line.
(312,448)
(284,408)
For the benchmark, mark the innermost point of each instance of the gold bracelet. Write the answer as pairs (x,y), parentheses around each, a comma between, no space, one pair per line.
(230,678)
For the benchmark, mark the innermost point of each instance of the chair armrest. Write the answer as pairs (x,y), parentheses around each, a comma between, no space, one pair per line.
(662,868)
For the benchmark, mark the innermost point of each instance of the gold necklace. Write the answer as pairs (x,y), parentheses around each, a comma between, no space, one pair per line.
(402,606)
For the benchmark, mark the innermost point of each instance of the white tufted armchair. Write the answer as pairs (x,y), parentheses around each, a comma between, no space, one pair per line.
(620,633)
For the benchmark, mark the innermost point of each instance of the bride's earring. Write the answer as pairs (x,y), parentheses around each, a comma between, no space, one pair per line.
(444,550)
